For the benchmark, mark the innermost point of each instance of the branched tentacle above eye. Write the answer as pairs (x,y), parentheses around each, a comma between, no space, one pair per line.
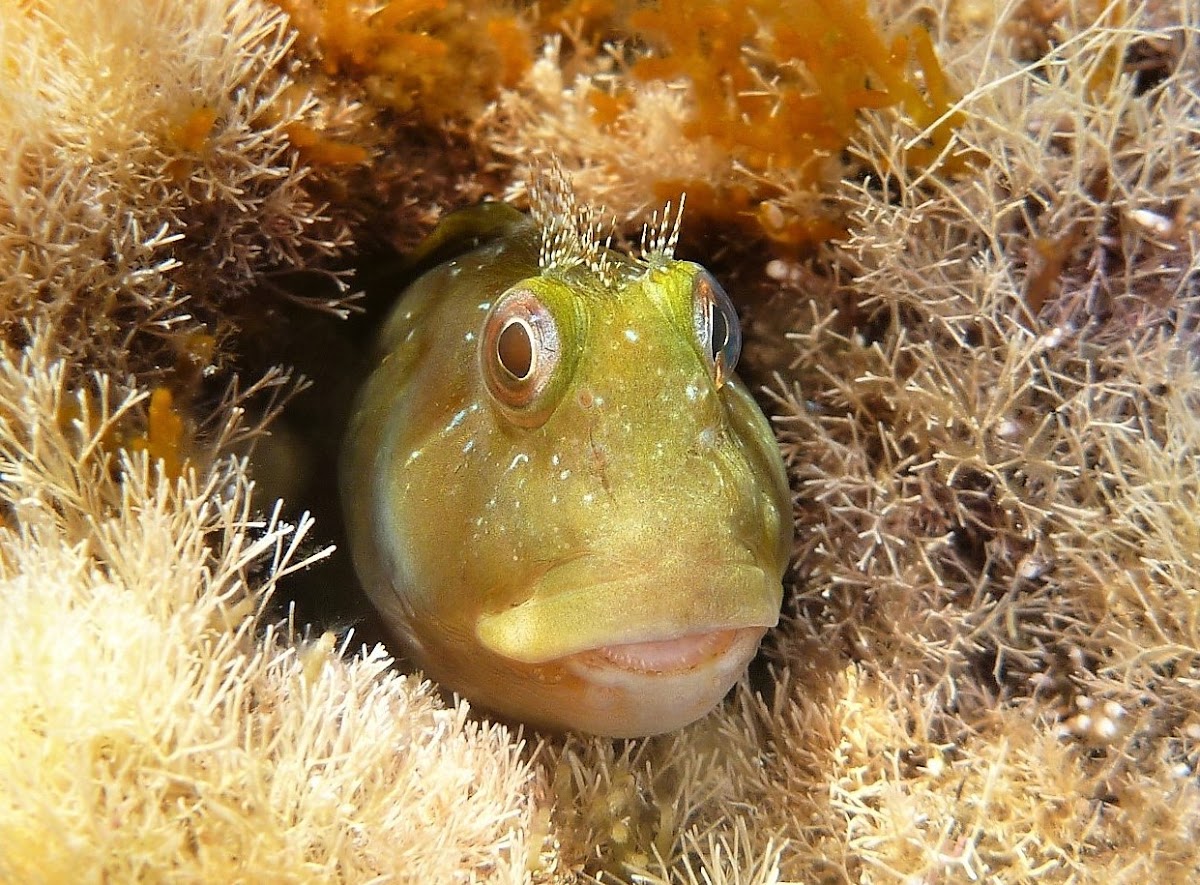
(572,234)
(576,235)
(660,235)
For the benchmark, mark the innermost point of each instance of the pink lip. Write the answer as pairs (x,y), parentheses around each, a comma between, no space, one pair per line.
(664,655)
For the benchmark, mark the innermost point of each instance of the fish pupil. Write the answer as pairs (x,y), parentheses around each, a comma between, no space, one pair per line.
(514,349)
(720,331)
(716,325)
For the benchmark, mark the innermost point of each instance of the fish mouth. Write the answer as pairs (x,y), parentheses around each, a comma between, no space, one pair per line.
(671,618)
(638,688)
(664,656)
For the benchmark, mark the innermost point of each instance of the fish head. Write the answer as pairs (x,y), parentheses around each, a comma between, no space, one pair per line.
(584,515)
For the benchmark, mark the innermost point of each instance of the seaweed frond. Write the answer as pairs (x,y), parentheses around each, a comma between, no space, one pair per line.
(754,104)
(148,170)
(155,720)
(439,62)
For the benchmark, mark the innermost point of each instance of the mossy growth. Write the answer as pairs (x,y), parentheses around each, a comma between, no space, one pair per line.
(434,60)
(782,85)
(988,668)
(756,101)
(143,192)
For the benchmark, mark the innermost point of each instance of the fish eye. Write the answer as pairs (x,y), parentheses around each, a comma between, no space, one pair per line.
(514,349)
(717,326)
(519,351)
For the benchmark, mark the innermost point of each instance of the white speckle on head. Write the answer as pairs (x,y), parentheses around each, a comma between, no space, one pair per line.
(564,474)
(457,419)
(412,456)
(586,398)
(554,499)
(554,459)
(470,336)
(470,445)
(455,271)
(692,392)
(518,459)
(485,305)
(631,335)
(491,503)
(707,438)
(588,497)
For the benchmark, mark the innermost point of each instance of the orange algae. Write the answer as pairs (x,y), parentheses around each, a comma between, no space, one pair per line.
(193,132)
(190,136)
(439,60)
(81,416)
(320,150)
(511,42)
(585,19)
(164,437)
(780,88)
(607,108)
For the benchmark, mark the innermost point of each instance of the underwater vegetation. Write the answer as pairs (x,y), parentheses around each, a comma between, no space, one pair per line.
(763,97)
(755,112)
(161,181)
(436,60)
(965,243)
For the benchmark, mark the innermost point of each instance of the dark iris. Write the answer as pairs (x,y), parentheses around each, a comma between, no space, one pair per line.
(722,335)
(514,349)
(717,322)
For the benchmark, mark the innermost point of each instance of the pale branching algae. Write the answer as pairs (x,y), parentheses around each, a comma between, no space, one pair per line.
(558,494)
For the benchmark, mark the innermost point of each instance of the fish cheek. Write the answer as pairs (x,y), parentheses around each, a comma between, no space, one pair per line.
(766,511)
(432,477)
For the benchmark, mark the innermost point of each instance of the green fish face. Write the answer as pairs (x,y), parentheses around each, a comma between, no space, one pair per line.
(558,495)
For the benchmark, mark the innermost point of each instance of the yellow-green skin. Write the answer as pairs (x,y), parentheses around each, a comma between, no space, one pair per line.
(548,573)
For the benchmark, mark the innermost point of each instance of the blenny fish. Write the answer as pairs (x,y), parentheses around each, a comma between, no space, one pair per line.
(562,501)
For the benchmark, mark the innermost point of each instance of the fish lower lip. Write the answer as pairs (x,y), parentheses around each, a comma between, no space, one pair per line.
(664,655)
